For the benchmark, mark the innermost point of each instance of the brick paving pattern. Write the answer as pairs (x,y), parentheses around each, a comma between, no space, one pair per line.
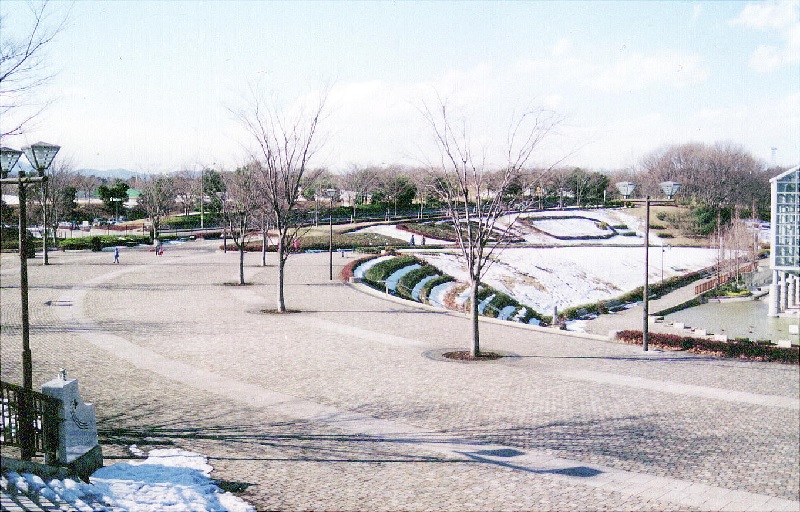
(337,407)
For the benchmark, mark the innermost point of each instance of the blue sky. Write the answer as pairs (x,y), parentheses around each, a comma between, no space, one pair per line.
(150,85)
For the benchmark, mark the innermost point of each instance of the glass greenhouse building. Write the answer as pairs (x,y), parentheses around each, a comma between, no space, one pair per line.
(785,242)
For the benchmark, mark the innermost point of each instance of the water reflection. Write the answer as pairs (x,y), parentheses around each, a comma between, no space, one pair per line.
(738,319)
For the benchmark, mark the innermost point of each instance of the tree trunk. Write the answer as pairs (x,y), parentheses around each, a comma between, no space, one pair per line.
(281,267)
(241,262)
(264,239)
(476,345)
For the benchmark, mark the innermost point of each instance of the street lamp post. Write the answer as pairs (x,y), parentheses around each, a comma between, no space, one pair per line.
(8,159)
(330,193)
(646,292)
(670,188)
(40,156)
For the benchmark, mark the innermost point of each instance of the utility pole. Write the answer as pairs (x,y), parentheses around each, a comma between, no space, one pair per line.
(646,291)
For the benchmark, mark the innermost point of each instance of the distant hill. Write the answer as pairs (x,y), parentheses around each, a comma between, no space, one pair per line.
(109,174)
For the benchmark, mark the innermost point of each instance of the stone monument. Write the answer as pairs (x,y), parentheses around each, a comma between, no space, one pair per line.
(77,431)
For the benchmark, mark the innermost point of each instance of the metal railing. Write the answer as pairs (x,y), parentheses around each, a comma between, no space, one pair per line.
(41,435)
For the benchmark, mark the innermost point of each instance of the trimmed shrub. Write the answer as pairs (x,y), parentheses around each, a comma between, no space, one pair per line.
(433,283)
(347,271)
(377,274)
(665,235)
(96,243)
(739,348)
(410,280)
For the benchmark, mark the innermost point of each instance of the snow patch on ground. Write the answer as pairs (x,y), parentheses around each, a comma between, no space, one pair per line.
(438,293)
(570,276)
(168,480)
(392,280)
(361,270)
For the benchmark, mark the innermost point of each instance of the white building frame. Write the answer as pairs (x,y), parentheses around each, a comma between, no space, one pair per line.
(784,259)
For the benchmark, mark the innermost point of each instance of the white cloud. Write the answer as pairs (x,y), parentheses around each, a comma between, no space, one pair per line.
(697,10)
(561,48)
(780,18)
(637,71)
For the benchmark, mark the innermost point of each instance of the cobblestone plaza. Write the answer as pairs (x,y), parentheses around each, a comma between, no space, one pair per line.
(345,404)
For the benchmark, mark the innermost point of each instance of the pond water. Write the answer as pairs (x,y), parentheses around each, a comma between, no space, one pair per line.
(738,319)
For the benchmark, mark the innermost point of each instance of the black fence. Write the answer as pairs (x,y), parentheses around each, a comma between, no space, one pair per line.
(41,433)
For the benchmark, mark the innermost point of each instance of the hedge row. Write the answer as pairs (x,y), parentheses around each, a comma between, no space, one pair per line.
(407,283)
(340,241)
(655,290)
(377,274)
(737,349)
(97,243)
(347,271)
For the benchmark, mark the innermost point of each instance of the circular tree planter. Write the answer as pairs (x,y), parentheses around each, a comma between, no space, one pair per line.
(464,356)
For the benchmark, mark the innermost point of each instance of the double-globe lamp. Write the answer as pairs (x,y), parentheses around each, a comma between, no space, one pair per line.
(40,156)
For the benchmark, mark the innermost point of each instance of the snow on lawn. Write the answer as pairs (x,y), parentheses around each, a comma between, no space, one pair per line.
(394,232)
(570,227)
(579,227)
(392,280)
(570,276)
(168,480)
(361,270)
(437,294)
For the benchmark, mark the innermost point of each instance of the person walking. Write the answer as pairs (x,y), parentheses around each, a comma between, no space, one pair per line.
(116,254)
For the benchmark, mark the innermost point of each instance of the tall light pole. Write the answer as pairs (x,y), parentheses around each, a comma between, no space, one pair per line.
(330,193)
(40,156)
(670,188)
(8,159)
(646,292)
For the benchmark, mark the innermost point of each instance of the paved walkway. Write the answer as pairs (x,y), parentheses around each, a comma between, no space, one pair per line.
(632,318)
(345,406)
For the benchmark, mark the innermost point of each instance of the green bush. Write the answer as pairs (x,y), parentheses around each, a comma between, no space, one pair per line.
(378,273)
(433,283)
(665,235)
(410,280)
(97,243)
(10,242)
(739,348)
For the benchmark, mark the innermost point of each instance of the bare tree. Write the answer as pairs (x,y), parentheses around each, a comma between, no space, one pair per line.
(187,189)
(474,198)
(60,194)
(716,175)
(241,206)
(157,199)
(361,181)
(24,69)
(286,143)
(397,186)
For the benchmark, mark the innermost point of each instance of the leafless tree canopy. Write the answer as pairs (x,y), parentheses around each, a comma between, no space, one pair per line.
(476,196)
(286,143)
(157,198)
(242,204)
(24,69)
(716,175)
